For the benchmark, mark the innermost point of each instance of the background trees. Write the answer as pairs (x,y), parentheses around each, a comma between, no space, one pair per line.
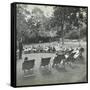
(70,21)
(65,22)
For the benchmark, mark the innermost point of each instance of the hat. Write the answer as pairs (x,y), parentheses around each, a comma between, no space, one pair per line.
(26,58)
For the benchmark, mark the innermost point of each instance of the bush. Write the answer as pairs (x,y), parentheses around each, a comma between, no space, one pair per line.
(73,35)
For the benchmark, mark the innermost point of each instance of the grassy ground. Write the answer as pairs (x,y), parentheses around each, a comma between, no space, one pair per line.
(75,74)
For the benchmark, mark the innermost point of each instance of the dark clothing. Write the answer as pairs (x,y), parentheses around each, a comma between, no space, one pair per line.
(20,50)
(27,65)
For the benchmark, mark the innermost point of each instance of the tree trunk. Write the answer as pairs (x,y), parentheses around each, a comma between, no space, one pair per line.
(62,28)
(62,34)
(79,38)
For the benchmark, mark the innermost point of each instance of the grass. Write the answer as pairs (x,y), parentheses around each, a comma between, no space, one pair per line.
(57,75)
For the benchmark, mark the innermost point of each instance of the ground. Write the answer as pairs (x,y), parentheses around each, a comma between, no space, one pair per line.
(76,73)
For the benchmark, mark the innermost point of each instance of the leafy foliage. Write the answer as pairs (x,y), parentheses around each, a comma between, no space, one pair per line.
(66,22)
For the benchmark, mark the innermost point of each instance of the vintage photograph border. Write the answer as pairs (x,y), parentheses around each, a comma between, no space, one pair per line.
(14,46)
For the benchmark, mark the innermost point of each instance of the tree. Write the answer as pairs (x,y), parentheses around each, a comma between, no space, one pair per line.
(35,22)
(21,21)
(66,18)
